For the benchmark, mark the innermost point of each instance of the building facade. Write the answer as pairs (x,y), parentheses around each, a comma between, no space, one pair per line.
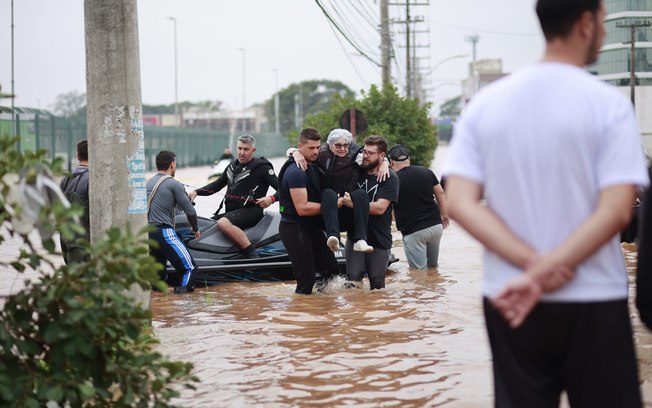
(614,64)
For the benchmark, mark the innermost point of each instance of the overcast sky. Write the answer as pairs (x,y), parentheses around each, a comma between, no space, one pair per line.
(292,36)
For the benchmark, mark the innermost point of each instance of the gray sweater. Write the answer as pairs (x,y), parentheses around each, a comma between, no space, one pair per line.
(169,195)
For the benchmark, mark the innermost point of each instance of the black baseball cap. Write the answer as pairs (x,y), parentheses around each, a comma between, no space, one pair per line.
(399,153)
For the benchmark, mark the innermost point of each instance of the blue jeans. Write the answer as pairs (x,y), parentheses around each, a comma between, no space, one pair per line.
(422,247)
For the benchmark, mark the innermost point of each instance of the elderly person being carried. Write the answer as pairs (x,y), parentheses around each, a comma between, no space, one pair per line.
(339,167)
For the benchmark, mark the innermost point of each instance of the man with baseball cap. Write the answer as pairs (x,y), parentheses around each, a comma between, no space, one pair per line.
(420,212)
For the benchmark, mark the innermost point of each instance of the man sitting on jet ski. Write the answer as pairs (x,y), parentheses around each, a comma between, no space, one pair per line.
(247,180)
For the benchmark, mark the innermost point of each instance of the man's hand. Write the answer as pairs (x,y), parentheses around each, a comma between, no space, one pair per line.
(346,200)
(340,202)
(517,299)
(445,222)
(300,160)
(383,171)
(197,234)
(191,195)
(523,292)
(265,202)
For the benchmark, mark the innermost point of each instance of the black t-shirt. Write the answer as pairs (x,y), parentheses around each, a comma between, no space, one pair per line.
(416,208)
(379,229)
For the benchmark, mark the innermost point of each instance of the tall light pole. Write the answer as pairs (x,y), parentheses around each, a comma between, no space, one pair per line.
(13,91)
(244,105)
(176,77)
(437,65)
(277,125)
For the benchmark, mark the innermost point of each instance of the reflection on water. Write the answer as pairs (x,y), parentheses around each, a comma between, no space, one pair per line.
(420,342)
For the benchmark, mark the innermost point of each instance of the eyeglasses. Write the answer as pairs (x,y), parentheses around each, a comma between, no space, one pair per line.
(369,153)
(341,146)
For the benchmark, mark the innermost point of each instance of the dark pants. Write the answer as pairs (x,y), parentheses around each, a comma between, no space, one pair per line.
(306,246)
(354,220)
(172,249)
(73,252)
(583,348)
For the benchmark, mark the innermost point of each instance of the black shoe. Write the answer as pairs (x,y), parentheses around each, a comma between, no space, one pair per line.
(183,289)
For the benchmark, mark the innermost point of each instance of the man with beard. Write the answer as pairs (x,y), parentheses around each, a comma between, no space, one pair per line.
(382,195)
(247,180)
(301,227)
(164,194)
(556,154)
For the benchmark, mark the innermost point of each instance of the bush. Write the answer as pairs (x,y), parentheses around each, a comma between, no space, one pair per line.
(397,119)
(76,337)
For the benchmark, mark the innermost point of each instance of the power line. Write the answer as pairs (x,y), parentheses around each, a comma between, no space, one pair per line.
(353,32)
(354,45)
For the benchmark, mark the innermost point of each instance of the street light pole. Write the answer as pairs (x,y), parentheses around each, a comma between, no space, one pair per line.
(176,78)
(244,127)
(277,125)
(437,65)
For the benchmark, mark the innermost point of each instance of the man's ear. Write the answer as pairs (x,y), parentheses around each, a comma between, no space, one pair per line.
(586,24)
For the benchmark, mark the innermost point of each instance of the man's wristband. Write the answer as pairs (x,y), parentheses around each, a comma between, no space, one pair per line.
(273,199)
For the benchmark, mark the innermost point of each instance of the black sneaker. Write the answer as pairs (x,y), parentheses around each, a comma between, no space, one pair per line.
(183,289)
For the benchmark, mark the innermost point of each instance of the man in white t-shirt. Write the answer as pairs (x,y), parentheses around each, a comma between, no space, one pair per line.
(556,153)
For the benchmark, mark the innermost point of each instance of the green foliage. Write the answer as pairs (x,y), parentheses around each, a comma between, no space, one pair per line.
(317,96)
(76,337)
(397,119)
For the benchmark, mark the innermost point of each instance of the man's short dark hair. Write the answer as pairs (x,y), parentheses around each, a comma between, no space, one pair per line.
(82,150)
(558,16)
(309,134)
(164,159)
(377,141)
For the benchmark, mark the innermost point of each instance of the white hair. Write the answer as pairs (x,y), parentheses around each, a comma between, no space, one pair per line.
(337,134)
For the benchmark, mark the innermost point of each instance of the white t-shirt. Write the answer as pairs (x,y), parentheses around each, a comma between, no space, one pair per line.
(543,143)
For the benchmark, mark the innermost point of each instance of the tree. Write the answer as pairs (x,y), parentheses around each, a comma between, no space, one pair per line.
(74,337)
(317,95)
(69,104)
(397,119)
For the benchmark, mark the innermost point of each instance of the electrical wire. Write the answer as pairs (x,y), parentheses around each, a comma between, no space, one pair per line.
(346,37)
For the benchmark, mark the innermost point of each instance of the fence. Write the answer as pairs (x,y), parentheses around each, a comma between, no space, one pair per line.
(194,147)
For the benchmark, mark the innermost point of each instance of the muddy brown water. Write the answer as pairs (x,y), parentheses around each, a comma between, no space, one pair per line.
(420,342)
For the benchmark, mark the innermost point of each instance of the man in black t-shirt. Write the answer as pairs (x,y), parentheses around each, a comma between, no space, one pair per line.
(419,217)
(379,229)
(301,226)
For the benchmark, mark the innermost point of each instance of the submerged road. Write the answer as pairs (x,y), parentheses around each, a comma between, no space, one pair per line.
(420,342)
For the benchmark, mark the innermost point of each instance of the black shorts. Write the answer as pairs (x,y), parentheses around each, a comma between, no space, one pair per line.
(585,349)
(244,217)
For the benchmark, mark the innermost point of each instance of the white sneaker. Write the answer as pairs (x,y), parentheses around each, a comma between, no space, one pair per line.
(333,243)
(362,246)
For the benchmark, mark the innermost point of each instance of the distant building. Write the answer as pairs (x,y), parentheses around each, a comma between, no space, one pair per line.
(614,64)
(481,73)
(253,119)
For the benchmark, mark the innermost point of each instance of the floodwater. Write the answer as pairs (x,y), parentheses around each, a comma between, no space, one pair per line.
(420,342)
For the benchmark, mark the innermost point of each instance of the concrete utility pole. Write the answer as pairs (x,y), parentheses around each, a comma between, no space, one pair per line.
(13,90)
(409,51)
(115,125)
(632,49)
(385,42)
